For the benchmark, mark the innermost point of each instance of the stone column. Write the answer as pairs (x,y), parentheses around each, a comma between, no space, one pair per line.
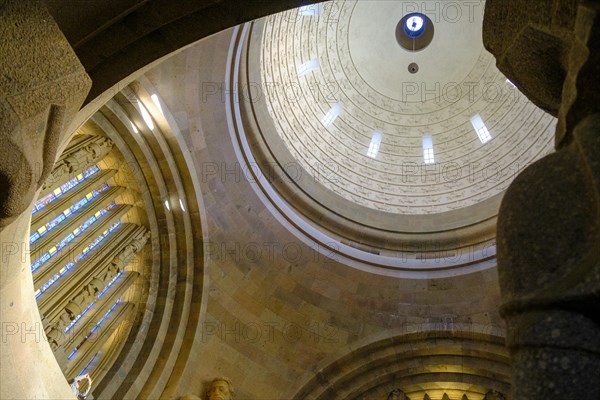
(548,244)
(42,86)
(549,222)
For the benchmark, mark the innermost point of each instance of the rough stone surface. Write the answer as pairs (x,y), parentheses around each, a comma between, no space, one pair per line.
(549,232)
(549,221)
(115,39)
(579,97)
(531,40)
(42,85)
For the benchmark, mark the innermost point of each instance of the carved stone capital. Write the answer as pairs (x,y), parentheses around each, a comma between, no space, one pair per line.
(531,40)
(42,86)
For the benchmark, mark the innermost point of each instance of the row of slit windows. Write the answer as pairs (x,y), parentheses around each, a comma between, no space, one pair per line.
(82,242)
(480,128)
(80,257)
(336,110)
(64,188)
(86,203)
(52,251)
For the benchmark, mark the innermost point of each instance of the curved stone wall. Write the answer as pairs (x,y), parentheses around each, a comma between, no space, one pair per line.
(441,244)
(156,349)
(171,350)
(278,310)
(114,39)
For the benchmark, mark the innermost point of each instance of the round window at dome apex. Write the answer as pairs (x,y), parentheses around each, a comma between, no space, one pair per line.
(414,25)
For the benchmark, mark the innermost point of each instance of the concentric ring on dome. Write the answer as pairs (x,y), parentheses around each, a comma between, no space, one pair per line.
(325,96)
(377,96)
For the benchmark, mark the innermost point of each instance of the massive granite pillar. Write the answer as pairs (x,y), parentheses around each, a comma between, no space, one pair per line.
(42,86)
(549,222)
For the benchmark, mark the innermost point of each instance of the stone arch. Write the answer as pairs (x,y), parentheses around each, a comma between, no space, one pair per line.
(470,362)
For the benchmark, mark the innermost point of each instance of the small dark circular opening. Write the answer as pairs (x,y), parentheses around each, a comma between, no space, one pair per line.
(413,68)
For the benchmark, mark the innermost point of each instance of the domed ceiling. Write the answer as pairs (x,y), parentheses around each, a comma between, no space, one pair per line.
(339,91)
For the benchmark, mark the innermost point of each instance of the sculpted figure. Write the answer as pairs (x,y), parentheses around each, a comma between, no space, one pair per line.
(102,279)
(126,255)
(80,302)
(79,160)
(493,395)
(397,394)
(98,284)
(60,169)
(220,389)
(76,389)
(53,334)
(88,155)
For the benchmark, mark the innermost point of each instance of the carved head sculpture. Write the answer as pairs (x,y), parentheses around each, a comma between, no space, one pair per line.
(397,394)
(493,395)
(221,388)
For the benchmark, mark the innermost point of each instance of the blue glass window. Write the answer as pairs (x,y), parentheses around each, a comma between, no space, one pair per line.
(83,227)
(95,328)
(58,192)
(80,257)
(415,25)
